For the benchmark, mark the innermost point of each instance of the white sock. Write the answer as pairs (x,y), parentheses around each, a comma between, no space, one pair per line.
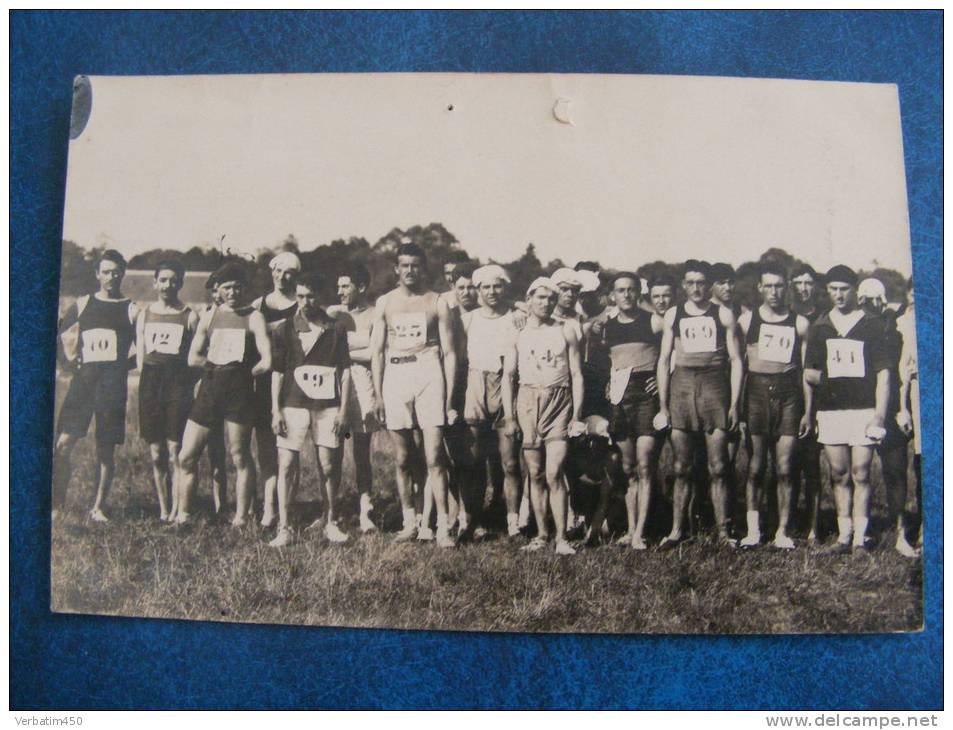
(845,526)
(753,528)
(860,530)
(410,518)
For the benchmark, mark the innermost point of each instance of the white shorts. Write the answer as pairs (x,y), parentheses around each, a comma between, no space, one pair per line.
(319,421)
(360,409)
(844,428)
(414,391)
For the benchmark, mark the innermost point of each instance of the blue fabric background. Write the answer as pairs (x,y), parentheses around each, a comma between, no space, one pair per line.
(89,662)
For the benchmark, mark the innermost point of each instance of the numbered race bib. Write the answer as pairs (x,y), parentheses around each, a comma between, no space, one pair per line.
(776,343)
(698,334)
(845,358)
(316,381)
(409,330)
(99,345)
(227,346)
(164,337)
(618,381)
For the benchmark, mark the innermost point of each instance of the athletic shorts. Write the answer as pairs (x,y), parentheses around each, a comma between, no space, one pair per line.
(299,421)
(225,394)
(844,428)
(484,399)
(544,414)
(414,391)
(360,407)
(699,399)
(773,404)
(165,399)
(633,415)
(91,394)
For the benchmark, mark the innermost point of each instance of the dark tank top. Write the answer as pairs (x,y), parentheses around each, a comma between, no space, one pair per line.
(633,344)
(105,335)
(231,342)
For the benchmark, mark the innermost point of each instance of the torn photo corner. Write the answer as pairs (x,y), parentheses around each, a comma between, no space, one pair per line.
(360,350)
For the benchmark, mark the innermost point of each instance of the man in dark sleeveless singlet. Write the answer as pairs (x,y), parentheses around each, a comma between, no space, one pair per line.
(700,395)
(775,339)
(96,335)
(231,344)
(164,332)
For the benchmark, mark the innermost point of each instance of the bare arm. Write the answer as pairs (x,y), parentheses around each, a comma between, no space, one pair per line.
(662,372)
(140,339)
(882,396)
(259,329)
(575,371)
(508,386)
(448,346)
(378,342)
(737,363)
(197,352)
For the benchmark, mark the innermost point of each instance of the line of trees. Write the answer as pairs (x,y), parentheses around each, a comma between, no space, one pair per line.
(77,274)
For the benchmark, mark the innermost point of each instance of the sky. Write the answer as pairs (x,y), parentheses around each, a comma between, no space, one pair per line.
(642,168)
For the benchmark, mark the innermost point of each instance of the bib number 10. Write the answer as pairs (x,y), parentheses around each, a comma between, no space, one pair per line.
(845,358)
(99,345)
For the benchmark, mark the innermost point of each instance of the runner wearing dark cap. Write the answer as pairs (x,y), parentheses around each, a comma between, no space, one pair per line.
(847,384)
(231,344)
(96,335)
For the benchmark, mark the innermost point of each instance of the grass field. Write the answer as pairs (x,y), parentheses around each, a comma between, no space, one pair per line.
(136,566)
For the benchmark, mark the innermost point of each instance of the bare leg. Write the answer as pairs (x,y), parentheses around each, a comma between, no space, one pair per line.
(193,441)
(239,448)
(404,456)
(361,451)
(536,473)
(839,458)
(288,465)
(512,480)
(646,455)
(174,448)
(893,458)
(437,480)
(757,463)
(268,467)
(62,470)
(217,467)
(683,451)
(558,493)
(630,466)
(105,455)
(159,455)
(784,453)
(718,465)
(860,459)
(809,463)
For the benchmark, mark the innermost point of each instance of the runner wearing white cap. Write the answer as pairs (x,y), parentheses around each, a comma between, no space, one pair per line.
(491,331)
(545,359)
(276,306)
(872,298)
(413,365)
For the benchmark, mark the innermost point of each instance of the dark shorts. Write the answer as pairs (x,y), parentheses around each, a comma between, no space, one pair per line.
(699,399)
(225,394)
(165,399)
(773,404)
(99,394)
(633,415)
(263,402)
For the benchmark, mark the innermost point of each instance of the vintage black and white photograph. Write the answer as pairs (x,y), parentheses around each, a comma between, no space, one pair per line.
(486,352)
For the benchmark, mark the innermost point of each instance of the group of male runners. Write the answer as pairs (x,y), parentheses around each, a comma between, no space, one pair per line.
(572,390)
